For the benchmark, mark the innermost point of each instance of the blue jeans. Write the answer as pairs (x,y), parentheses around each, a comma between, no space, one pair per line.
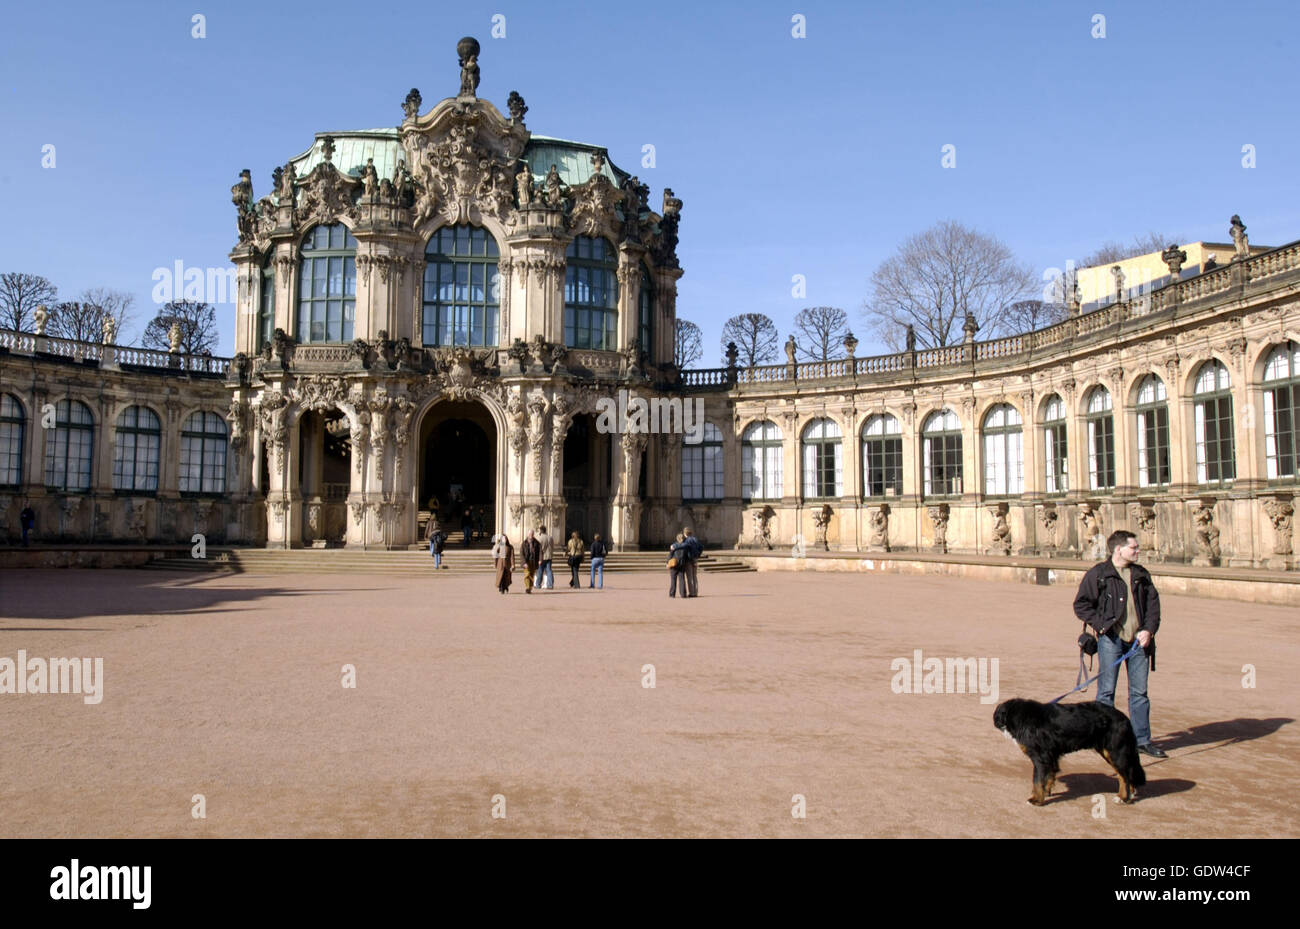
(1109,650)
(437,559)
(597,568)
(545,576)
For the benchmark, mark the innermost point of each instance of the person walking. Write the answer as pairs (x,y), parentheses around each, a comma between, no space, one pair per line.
(1118,600)
(480,523)
(27,519)
(677,566)
(532,554)
(546,578)
(574,550)
(598,552)
(466,524)
(503,557)
(437,542)
(693,552)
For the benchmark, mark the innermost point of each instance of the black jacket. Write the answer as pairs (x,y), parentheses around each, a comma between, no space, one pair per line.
(1101,601)
(599,550)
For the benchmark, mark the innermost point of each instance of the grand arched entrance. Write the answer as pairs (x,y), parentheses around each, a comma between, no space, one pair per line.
(588,473)
(324,469)
(458,465)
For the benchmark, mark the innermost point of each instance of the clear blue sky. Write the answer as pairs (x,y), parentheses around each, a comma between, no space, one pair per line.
(813,156)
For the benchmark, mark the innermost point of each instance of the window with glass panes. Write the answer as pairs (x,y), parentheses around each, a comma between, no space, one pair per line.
(1281,407)
(941,454)
(1004,463)
(702,466)
(462,287)
(203,454)
(822,474)
(761,461)
(1101,440)
(645,311)
(1152,432)
(12,428)
(591,294)
(1055,451)
(327,285)
(882,457)
(266,308)
(69,447)
(136,450)
(1216,460)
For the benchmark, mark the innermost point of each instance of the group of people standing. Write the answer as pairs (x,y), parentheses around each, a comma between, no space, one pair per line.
(538,553)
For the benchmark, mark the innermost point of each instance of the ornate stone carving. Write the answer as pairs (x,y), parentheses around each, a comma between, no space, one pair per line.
(762,519)
(278,505)
(1047,519)
(320,392)
(1206,533)
(411,105)
(238,419)
(402,410)
(325,196)
(516,106)
(633,445)
(1000,531)
(241,195)
(517,428)
(358,508)
(1143,515)
(1280,513)
(537,407)
(939,518)
(822,525)
(1240,241)
(561,415)
(878,521)
(271,410)
(1092,543)
(467,50)
(594,203)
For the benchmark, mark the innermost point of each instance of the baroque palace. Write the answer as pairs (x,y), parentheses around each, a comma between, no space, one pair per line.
(428,317)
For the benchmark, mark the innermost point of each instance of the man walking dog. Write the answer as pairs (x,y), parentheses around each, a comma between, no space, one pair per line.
(1118,600)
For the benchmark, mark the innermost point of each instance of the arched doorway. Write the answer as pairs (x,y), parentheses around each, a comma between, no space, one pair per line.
(588,471)
(324,474)
(458,466)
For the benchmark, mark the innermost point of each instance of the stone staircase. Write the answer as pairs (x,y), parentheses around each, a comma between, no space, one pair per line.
(457,561)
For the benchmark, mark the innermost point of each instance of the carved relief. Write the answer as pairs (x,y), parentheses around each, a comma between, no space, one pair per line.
(1000,532)
(1092,543)
(822,525)
(762,519)
(878,521)
(939,518)
(1144,517)
(1207,534)
(537,407)
(1280,514)
(1047,519)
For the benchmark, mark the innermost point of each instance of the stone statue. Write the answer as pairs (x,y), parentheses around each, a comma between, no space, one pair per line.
(1093,541)
(1173,257)
(939,517)
(402,183)
(1000,534)
(241,195)
(733,354)
(287,178)
(411,105)
(672,204)
(763,527)
(553,187)
(911,338)
(1280,512)
(1207,534)
(515,104)
(327,148)
(174,337)
(524,186)
(41,316)
(822,520)
(1239,239)
(109,326)
(467,50)
(370,178)
(1118,273)
(970,327)
(790,348)
(879,520)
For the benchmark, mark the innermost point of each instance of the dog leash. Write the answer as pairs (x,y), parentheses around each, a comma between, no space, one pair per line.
(1086,684)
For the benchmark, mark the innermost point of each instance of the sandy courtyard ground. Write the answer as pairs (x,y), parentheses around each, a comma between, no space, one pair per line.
(767,686)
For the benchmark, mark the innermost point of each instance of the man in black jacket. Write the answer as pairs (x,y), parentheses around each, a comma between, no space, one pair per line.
(1119,601)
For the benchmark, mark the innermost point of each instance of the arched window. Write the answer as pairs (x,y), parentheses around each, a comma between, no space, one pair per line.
(702,466)
(1004,463)
(1216,460)
(462,287)
(822,473)
(327,294)
(136,450)
(882,457)
(761,461)
(941,454)
(203,454)
(266,306)
(645,309)
(1101,440)
(12,423)
(1281,407)
(591,294)
(1152,432)
(69,447)
(1054,446)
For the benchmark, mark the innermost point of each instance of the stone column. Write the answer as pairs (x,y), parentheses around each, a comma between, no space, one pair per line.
(248,291)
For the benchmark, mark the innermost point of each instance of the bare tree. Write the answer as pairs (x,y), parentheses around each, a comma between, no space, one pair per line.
(20,294)
(755,338)
(1028,315)
(822,330)
(84,319)
(939,276)
(1111,252)
(198,322)
(688,344)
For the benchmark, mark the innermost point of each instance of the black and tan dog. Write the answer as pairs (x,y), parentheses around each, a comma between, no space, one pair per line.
(1046,731)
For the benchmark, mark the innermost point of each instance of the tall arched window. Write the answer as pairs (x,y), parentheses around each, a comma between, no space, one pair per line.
(203,454)
(1054,446)
(645,313)
(266,306)
(69,447)
(1152,432)
(1004,463)
(702,466)
(941,454)
(1216,460)
(822,472)
(1281,407)
(12,428)
(591,294)
(462,287)
(327,285)
(882,457)
(136,449)
(761,461)
(1101,440)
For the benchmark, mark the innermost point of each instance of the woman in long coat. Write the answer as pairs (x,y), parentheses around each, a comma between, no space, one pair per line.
(503,556)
